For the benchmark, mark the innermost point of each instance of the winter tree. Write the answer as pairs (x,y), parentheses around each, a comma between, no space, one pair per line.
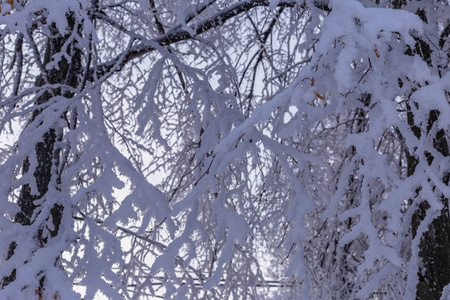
(224,149)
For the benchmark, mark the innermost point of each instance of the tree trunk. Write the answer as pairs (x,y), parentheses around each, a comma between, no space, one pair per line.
(434,274)
(47,154)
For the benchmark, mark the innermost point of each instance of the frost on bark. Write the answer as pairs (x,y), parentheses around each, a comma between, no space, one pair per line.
(297,149)
(47,152)
(435,244)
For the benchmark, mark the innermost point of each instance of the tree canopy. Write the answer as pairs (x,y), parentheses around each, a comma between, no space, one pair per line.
(224,149)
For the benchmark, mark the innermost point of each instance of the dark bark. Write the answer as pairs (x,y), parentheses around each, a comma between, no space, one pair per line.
(47,155)
(434,274)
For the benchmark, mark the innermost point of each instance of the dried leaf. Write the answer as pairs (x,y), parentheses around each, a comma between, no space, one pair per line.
(375,49)
(319,96)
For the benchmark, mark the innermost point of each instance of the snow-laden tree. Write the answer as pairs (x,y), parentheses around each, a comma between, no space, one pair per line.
(224,149)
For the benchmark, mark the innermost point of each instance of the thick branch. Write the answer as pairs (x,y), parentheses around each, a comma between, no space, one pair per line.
(179,33)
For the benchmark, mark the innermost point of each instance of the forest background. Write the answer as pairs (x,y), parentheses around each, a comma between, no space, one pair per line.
(224,149)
